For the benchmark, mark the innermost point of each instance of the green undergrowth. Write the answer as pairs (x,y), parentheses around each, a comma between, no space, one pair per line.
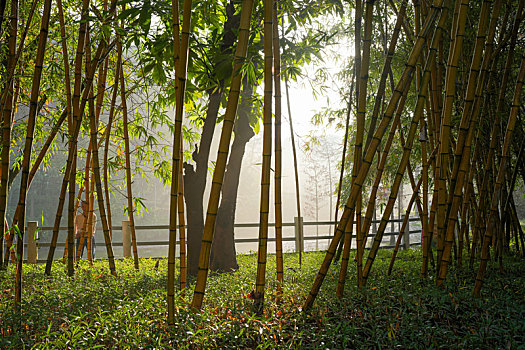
(96,310)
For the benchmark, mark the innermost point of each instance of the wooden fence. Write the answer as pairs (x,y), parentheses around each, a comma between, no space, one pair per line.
(33,243)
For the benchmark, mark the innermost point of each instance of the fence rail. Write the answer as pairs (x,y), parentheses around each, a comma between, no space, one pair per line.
(33,245)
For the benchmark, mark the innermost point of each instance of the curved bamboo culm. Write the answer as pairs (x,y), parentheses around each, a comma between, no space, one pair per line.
(260,281)
(131,210)
(278,150)
(26,162)
(222,153)
(180,73)
(370,152)
(296,170)
(487,239)
(6,112)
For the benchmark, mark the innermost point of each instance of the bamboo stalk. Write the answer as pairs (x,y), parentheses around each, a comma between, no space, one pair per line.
(296,170)
(6,126)
(100,194)
(456,45)
(182,231)
(180,72)
(108,136)
(77,117)
(361,110)
(278,150)
(26,162)
(131,216)
(222,153)
(260,281)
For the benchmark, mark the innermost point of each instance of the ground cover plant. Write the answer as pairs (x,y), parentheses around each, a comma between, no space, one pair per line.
(94,309)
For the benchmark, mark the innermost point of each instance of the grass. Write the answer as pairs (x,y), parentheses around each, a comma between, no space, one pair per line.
(94,309)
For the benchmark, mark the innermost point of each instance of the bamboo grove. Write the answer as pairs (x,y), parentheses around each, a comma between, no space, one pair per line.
(453,101)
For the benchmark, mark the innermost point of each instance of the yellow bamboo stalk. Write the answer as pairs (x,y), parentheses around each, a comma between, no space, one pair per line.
(100,194)
(131,215)
(222,153)
(182,231)
(180,73)
(107,133)
(260,281)
(77,117)
(26,162)
(456,46)
(296,170)
(278,150)
(90,219)
(6,125)
(361,110)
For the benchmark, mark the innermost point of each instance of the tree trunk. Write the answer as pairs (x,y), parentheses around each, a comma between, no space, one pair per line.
(223,255)
(195,184)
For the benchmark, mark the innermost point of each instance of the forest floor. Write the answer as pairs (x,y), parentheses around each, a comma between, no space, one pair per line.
(94,309)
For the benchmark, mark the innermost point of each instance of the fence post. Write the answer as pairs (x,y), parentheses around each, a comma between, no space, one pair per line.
(32,237)
(299,236)
(126,240)
(406,235)
(392,230)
